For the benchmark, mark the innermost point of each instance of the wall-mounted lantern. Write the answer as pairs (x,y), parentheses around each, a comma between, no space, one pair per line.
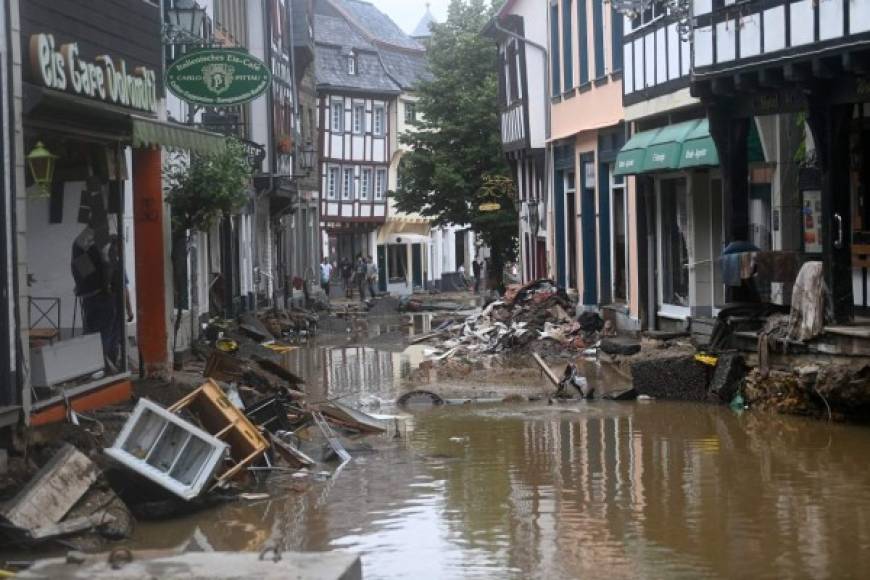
(41,163)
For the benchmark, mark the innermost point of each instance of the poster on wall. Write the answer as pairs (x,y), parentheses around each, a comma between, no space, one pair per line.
(811,218)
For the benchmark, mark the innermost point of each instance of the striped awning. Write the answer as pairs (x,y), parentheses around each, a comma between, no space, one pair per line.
(151,133)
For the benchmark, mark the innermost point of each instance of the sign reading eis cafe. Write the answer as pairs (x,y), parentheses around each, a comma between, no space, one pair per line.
(218,77)
(62,68)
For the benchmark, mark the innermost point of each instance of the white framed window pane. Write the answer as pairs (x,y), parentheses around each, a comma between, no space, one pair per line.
(338,116)
(378,121)
(359,113)
(365,184)
(332,183)
(347,189)
(380,184)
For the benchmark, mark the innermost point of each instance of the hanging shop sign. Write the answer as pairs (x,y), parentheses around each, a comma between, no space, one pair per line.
(218,77)
(63,68)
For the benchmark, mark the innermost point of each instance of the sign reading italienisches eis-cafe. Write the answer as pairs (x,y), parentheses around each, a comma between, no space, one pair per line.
(61,67)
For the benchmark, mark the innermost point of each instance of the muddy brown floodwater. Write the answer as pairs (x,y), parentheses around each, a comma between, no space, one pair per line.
(581,490)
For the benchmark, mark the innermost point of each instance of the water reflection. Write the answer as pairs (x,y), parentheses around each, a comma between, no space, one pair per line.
(660,490)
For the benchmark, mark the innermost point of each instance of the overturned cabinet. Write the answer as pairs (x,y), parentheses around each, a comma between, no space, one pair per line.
(168,450)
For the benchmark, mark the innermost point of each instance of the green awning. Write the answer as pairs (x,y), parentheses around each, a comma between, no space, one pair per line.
(630,158)
(665,150)
(151,133)
(680,146)
(699,150)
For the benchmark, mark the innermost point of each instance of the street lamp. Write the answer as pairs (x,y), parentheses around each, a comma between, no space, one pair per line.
(184,23)
(41,163)
(306,159)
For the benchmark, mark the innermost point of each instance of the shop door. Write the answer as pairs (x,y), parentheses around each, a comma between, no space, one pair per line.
(382,268)
(541,259)
(417,264)
(559,210)
(604,232)
(590,262)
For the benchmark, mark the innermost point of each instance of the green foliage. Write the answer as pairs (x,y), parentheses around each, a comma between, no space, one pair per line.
(457,143)
(207,187)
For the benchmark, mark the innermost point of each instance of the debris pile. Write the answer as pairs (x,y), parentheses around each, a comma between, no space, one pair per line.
(534,316)
(247,419)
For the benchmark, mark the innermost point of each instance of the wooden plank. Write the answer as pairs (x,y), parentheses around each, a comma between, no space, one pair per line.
(53,490)
(72,526)
(546,368)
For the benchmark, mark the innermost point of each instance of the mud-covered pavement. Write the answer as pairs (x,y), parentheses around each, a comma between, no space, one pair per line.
(645,489)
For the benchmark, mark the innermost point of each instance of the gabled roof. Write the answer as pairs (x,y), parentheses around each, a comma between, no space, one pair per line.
(336,31)
(377,24)
(406,69)
(388,60)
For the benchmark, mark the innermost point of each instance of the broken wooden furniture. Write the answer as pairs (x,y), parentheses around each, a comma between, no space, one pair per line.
(168,450)
(226,422)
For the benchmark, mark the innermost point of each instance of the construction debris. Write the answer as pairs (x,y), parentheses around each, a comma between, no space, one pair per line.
(53,491)
(527,317)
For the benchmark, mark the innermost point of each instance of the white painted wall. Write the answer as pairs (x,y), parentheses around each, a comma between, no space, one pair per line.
(534,15)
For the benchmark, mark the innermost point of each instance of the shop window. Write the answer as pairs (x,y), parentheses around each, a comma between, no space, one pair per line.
(396,262)
(619,231)
(673,235)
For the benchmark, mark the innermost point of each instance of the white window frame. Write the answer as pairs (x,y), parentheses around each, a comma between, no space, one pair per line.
(365,183)
(347,183)
(378,120)
(665,310)
(332,177)
(410,107)
(624,188)
(359,119)
(380,184)
(351,64)
(336,116)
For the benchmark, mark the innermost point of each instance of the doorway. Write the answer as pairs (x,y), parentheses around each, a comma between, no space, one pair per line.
(571,218)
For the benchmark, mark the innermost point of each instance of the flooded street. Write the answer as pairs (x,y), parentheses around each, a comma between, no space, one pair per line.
(530,490)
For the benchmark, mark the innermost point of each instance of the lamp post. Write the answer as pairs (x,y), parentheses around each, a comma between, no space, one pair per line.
(183,24)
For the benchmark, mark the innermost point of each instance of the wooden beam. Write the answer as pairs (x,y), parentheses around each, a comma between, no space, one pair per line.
(546,369)
(771,78)
(723,86)
(822,70)
(796,73)
(746,81)
(855,62)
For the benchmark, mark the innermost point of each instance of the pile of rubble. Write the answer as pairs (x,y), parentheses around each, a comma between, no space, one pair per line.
(247,420)
(535,316)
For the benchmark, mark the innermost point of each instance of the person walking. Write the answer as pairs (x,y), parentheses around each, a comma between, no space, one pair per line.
(372,271)
(475,268)
(360,276)
(325,275)
(346,275)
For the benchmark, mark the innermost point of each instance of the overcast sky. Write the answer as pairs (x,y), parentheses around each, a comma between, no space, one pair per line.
(407,13)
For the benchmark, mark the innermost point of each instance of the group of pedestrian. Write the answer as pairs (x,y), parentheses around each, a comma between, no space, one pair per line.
(361,272)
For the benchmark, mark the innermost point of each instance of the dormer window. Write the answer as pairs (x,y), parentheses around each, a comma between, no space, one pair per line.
(351,63)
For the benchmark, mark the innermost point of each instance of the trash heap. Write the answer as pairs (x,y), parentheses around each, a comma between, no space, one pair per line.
(534,316)
(248,419)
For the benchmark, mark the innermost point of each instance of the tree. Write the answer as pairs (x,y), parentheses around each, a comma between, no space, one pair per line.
(456,144)
(201,189)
